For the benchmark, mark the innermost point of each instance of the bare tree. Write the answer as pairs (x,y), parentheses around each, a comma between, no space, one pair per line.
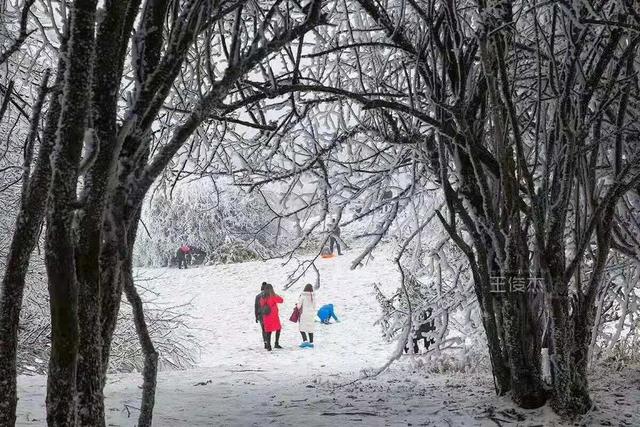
(107,157)
(523,116)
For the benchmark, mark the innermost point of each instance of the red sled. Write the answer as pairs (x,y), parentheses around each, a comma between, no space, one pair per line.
(326,253)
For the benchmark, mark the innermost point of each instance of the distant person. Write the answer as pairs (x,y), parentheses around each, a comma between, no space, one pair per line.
(425,325)
(181,255)
(306,323)
(334,236)
(326,313)
(271,319)
(259,313)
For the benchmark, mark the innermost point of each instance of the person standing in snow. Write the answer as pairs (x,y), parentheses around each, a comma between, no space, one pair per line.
(326,313)
(181,255)
(334,236)
(270,316)
(424,325)
(306,322)
(258,313)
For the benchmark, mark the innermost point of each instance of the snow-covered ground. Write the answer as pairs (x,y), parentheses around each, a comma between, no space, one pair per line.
(238,383)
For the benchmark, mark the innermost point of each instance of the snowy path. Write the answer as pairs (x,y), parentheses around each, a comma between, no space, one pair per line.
(239,383)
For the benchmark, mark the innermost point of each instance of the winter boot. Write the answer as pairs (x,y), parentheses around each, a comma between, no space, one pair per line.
(277,346)
(304,344)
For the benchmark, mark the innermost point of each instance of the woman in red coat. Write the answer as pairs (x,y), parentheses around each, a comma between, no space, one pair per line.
(272,320)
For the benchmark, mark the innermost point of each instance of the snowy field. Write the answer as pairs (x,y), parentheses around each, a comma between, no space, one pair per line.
(238,383)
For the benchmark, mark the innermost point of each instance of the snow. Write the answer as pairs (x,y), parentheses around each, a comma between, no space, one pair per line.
(237,382)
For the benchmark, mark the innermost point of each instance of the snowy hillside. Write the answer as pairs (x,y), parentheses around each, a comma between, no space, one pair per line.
(221,306)
(238,383)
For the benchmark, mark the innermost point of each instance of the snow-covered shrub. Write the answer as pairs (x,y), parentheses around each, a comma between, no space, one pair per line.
(437,281)
(230,226)
(168,327)
(457,343)
(169,330)
(617,338)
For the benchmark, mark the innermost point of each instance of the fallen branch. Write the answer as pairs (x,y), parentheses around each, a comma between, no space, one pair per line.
(372,414)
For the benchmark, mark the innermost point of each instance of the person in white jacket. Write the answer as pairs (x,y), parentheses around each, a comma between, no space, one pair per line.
(306,322)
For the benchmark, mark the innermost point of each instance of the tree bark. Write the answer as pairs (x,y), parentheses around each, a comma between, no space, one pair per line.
(523,343)
(110,288)
(560,361)
(150,369)
(105,90)
(60,242)
(499,365)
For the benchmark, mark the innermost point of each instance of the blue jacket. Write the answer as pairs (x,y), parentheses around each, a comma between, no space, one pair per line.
(326,312)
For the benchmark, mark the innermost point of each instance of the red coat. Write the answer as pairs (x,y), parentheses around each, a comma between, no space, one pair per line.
(272,320)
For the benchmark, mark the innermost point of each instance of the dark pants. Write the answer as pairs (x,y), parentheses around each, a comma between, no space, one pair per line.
(182,260)
(304,336)
(333,241)
(416,350)
(264,334)
(268,340)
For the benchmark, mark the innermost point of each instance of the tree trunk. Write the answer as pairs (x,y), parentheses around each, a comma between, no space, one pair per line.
(60,241)
(561,401)
(522,331)
(583,326)
(150,370)
(89,380)
(523,343)
(500,370)
(115,251)
(584,314)
(24,239)
(499,367)
(63,294)
(110,293)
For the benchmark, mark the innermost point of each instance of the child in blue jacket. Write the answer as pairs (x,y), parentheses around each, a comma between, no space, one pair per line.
(326,313)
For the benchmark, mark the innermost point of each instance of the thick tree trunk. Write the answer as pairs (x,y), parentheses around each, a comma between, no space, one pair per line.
(90,259)
(110,292)
(583,326)
(523,343)
(60,242)
(115,251)
(99,273)
(63,294)
(89,380)
(499,366)
(560,360)
(562,368)
(10,305)
(522,331)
